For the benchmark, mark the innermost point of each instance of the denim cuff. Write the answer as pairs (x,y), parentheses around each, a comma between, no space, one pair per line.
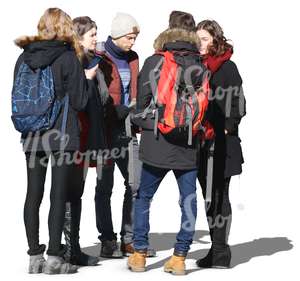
(180,253)
(141,251)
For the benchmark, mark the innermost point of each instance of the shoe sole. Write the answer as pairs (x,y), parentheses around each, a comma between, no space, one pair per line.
(54,271)
(90,262)
(215,266)
(57,272)
(220,267)
(174,272)
(136,269)
(111,257)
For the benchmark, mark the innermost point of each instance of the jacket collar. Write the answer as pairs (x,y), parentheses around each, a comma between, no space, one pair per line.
(177,38)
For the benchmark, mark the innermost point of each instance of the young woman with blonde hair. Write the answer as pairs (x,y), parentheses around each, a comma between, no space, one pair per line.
(57,46)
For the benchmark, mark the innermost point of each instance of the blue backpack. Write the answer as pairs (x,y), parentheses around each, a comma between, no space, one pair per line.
(35,106)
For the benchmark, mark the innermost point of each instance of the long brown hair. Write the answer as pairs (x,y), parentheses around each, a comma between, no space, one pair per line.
(54,24)
(220,44)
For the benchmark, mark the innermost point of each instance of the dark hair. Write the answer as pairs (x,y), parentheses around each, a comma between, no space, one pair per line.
(83,24)
(182,20)
(220,44)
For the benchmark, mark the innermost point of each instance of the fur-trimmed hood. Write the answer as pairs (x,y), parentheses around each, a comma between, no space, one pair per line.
(26,40)
(175,35)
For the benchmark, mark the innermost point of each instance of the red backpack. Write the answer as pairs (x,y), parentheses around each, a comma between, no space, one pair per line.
(180,106)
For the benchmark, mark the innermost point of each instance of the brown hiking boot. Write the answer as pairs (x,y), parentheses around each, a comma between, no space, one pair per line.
(137,262)
(175,265)
(128,250)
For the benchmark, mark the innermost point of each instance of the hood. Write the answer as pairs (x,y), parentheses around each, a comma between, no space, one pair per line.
(177,39)
(41,53)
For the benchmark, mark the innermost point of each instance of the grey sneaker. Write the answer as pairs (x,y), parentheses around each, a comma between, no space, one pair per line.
(36,264)
(57,265)
(110,249)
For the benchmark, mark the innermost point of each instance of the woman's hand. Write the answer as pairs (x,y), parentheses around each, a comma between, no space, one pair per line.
(91,73)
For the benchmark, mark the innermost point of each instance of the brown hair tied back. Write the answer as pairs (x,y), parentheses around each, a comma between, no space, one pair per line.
(83,24)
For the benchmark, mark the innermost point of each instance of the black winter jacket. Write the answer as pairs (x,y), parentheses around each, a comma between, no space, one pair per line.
(95,138)
(69,78)
(226,109)
(160,151)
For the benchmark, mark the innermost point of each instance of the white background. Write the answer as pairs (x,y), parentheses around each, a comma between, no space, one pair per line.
(265,199)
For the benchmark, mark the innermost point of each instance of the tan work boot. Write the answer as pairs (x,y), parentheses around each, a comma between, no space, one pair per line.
(137,262)
(175,265)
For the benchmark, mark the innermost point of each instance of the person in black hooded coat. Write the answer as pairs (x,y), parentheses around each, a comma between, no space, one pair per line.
(159,153)
(69,78)
(92,141)
(226,109)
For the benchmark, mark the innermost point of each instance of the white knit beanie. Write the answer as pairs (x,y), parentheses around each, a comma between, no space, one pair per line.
(123,24)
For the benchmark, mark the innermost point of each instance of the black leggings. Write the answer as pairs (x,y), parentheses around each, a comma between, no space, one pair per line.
(76,184)
(218,211)
(60,176)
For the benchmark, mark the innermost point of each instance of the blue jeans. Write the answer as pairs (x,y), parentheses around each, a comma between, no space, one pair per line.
(151,177)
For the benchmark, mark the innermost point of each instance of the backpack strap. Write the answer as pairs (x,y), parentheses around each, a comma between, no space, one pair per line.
(65,117)
(209,176)
(152,107)
(190,136)
(153,77)
(130,167)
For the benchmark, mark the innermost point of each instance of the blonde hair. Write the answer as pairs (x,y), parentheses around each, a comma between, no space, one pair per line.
(54,24)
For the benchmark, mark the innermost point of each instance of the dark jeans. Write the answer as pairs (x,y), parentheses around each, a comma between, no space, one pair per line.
(104,189)
(151,177)
(36,173)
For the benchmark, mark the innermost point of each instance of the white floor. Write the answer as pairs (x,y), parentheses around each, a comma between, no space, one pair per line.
(263,242)
(265,201)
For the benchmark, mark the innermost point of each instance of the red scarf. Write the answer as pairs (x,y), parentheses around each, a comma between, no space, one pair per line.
(213,63)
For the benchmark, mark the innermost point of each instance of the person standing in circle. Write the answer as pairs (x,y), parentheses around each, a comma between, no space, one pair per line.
(226,109)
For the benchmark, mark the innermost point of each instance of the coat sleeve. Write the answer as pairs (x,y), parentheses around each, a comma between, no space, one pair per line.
(146,84)
(235,104)
(78,87)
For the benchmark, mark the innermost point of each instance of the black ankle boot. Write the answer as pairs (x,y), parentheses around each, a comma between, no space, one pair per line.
(73,253)
(216,258)
(110,249)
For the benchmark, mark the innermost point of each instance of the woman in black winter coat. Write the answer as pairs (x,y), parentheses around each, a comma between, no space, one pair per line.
(226,108)
(91,140)
(55,46)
